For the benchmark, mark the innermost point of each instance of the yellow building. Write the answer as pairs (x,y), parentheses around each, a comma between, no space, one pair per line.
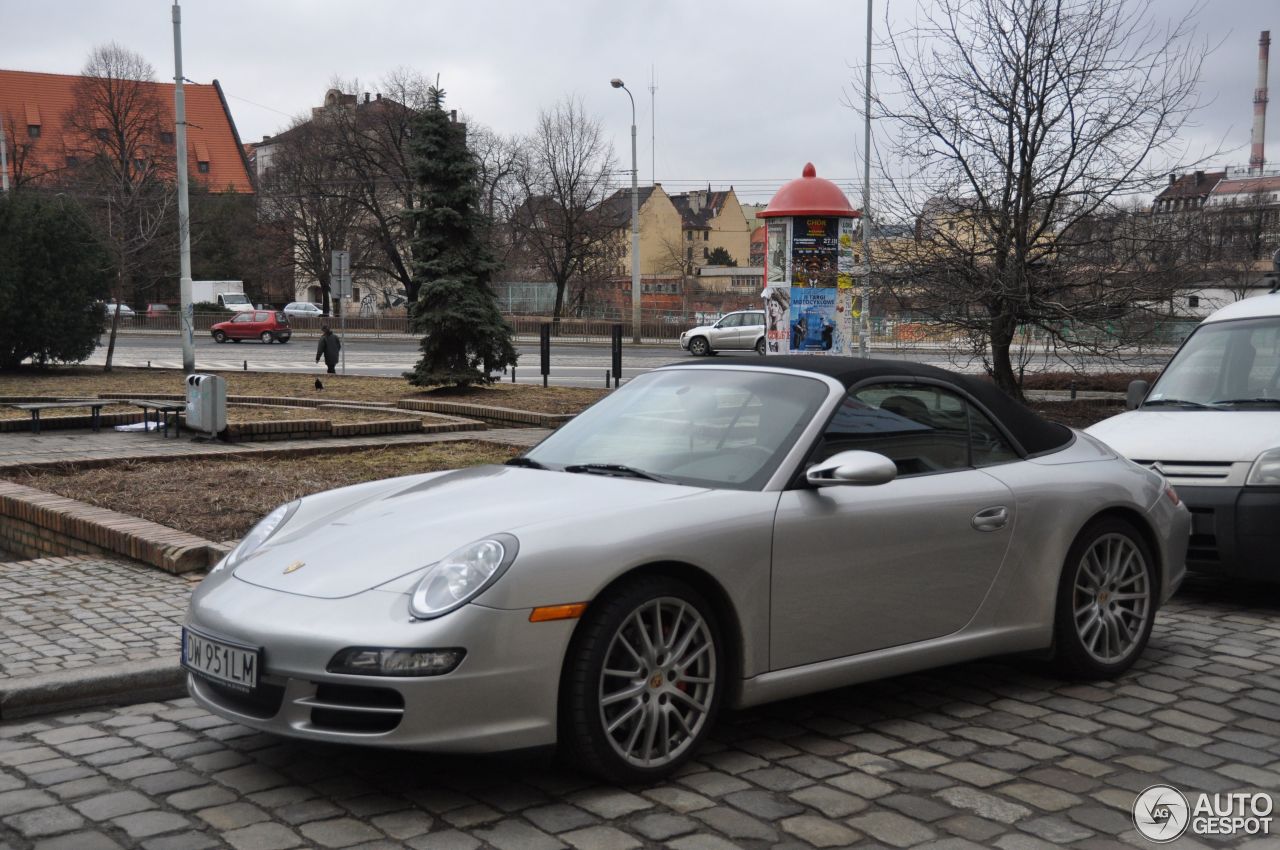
(711,220)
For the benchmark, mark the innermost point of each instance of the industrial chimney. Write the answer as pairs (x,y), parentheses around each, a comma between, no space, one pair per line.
(1260,105)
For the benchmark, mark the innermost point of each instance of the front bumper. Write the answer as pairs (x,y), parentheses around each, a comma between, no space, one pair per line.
(502,696)
(684,343)
(1234,531)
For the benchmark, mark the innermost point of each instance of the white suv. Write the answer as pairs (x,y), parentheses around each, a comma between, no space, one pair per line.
(740,331)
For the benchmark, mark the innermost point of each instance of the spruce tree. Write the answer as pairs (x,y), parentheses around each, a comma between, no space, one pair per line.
(464,337)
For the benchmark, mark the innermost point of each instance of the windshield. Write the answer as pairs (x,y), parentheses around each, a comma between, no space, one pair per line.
(234,298)
(1224,364)
(703,427)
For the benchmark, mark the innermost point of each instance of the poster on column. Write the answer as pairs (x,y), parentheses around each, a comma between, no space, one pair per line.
(814,245)
(813,320)
(777,292)
(846,265)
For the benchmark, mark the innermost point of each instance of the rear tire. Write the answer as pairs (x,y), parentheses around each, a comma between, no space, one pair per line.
(760,346)
(1106,601)
(267,338)
(219,337)
(643,679)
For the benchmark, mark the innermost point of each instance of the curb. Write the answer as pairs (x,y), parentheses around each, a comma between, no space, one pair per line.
(136,681)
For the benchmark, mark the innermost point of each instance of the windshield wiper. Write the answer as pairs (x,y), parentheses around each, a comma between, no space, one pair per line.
(1184,402)
(1257,400)
(526,462)
(612,469)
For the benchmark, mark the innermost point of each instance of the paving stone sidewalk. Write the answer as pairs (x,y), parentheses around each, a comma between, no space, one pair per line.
(59,614)
(991,754)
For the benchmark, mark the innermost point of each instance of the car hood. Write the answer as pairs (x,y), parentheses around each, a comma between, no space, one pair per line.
(700,329)
(1191,435)
(362,542)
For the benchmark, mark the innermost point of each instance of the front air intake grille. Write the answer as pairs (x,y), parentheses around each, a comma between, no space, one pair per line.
(263,703)
(354,708)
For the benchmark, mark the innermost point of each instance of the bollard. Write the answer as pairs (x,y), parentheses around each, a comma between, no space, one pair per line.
(606,379)
(544,380)
(246,365)
(513,374)
(1073,390)
(148,364)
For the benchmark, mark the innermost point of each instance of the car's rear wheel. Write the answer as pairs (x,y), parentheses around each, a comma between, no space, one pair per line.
(760,346)
(643,680)
(1106,601)
(698,346)
(219,337)
(267,337)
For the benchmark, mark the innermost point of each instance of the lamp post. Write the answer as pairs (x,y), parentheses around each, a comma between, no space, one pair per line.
(635,220)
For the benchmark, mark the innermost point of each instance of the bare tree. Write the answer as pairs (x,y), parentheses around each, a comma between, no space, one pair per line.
(124,167)
(1234,240)
(307,193)
(564,174)
(1023,124)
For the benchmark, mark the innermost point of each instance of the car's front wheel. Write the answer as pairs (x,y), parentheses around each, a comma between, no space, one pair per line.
(267,337)
(1106,601)
(698,346)
(643,680)
(219,337)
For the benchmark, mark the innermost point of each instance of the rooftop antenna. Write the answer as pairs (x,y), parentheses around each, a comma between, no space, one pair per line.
(653,120)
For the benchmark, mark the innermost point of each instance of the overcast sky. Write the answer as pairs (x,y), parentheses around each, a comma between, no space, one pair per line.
(747,91)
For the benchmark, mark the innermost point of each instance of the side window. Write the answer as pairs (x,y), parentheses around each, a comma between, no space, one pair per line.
(243,317)
(923,429)
(731,321)
(986,443)
(755,319)
(261,317)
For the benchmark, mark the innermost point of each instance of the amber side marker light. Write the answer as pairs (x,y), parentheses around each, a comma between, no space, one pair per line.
(557,612)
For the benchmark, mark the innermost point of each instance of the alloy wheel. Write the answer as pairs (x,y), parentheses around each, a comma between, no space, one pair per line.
(658,682)
(1112,598)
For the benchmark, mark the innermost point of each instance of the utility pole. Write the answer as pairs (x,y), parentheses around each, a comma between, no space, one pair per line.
(653,125)
(864,321)
(4,159)
(635,220)
(184,206)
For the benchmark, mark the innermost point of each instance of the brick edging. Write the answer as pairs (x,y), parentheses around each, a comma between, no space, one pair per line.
(38,524)
(488,413)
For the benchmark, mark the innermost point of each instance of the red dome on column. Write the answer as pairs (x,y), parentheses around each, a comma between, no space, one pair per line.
(809,195)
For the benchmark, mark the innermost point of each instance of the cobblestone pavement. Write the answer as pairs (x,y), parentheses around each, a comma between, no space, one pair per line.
(984,754)
(63,613)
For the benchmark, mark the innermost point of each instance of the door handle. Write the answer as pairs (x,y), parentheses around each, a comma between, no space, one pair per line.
(991,519)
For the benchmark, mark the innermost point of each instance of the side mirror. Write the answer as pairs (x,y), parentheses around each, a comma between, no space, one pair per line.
(1135,394)
(853,467)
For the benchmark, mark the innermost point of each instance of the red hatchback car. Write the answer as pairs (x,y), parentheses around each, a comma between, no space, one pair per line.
(266,325)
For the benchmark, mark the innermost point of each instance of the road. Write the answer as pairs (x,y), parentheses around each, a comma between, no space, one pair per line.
(572,364)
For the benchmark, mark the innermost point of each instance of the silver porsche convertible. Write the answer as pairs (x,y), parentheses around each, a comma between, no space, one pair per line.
(715,534)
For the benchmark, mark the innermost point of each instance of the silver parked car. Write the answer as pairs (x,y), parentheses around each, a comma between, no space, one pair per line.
(740,331)
(304,309)
(723,533)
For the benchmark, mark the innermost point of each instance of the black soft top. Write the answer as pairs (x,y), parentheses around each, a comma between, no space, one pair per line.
(1034,434)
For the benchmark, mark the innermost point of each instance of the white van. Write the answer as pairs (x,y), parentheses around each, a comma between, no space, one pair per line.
(1211,425)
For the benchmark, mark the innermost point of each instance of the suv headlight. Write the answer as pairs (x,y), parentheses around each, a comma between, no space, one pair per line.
(260,534)
(456,579)
(1265,471)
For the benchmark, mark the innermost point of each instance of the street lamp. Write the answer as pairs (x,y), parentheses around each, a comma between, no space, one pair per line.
(635,220)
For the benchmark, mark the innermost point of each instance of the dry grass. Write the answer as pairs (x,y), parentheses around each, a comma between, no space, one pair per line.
(90,382)
(222,499)
(239,414)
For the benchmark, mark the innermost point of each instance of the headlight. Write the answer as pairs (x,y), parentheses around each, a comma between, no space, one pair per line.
(261,532)
(1266,470)
(457,578)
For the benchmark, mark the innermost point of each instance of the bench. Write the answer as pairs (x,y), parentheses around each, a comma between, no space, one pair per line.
(163,410)
(34,407)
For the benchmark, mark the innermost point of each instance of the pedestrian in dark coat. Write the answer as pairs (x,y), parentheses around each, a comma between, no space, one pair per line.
(328,348)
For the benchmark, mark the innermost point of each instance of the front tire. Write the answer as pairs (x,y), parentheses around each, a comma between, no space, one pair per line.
(643,681)
(1106,601)
(698,346)
(267,337)
(219,337)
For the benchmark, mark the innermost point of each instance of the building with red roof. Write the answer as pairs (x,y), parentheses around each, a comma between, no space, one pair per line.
(41,142)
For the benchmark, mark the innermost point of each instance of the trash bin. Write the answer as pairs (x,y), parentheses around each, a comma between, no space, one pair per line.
(206,403)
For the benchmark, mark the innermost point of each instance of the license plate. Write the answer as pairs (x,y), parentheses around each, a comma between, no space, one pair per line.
(225,663)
